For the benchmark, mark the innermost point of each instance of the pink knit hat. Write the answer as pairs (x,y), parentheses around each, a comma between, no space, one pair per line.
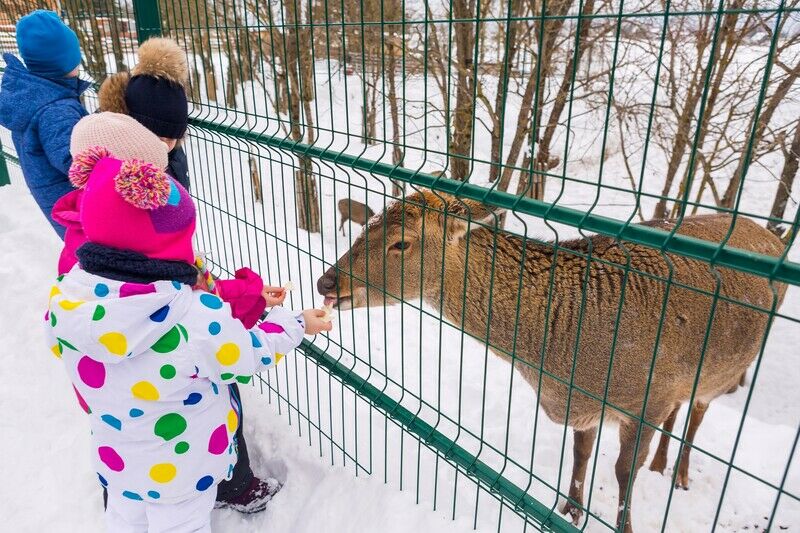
(128,201)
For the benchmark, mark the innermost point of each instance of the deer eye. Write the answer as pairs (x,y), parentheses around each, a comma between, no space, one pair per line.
(401,245)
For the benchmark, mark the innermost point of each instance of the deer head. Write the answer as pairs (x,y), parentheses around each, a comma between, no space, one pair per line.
(400,253)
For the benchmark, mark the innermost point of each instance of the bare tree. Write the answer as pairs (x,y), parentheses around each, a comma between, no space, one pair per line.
(446,66)
(759,131)
(788,175)
(395,46)
(192,22)
(298,66)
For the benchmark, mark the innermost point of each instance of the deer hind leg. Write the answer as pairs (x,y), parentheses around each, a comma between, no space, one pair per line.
(742,382)
(627,465)
(698,412)
(581,451)
(341,226)
(659,462)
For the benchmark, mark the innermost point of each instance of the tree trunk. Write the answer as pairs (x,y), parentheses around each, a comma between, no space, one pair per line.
(506,65)
(397,152)
(255,178)
(91,43)
(210,77)
(232,82)
(729,34)
(549,33)
(305,184)
(543,159)
(462,120)
(681,141)
(116,44)
(194,82)
(788,175)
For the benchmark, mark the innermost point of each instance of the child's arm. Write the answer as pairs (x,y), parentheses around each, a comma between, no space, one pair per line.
(234,353)
(55,129)
(244,294)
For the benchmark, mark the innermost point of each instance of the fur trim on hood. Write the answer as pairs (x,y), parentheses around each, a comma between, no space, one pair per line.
(159,57)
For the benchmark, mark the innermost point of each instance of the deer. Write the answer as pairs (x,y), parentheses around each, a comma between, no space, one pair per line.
(561,321)
(350,209)
(696,414)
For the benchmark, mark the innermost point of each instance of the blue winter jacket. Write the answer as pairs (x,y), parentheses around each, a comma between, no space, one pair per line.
(41,112)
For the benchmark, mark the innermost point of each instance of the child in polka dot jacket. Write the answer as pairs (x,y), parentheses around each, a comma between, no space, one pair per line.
(148,354)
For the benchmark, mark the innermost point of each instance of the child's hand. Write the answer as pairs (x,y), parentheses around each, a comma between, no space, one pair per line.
(273,295)
(315,321)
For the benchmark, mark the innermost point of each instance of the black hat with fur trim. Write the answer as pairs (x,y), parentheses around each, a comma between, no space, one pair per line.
(154,93)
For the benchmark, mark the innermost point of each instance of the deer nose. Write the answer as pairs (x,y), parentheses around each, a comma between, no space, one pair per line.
(326,284)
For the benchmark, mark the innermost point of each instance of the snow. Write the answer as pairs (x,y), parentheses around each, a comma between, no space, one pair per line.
(48,483)
(308,430)
(49,449)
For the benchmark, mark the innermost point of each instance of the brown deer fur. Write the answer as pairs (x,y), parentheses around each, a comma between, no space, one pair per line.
(461,288)
(350,209)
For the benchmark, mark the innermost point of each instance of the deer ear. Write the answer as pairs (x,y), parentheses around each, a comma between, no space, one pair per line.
(466,215)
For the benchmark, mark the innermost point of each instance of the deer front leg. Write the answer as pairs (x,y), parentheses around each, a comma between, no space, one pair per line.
(581,452)
(628,466)
(660,458)
(698,412)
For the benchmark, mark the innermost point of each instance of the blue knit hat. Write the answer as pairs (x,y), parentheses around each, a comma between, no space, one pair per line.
(49,48)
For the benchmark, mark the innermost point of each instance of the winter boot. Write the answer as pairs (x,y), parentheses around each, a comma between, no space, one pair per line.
(254,498)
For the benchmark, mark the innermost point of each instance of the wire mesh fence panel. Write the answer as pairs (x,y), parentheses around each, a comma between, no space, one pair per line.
(553,232)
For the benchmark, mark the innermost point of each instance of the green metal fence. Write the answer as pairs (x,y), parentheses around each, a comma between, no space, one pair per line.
(543,121)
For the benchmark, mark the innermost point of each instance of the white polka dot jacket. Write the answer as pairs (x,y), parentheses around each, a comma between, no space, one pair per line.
(150,364)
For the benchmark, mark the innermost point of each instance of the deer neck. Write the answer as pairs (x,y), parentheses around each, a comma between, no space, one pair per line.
(481,275)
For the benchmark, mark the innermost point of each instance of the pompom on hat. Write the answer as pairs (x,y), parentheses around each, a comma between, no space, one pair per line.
(127,201)
(154,92)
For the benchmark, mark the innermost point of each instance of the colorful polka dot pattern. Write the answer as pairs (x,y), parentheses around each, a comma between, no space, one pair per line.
(193,398)
(228,354)
(218,442)
(144,390)
(170,426)
(101,290)
(115,342)
(111,458)
(204,482)
(91,372)
(233,421)
(182,447)
(160,315)
(211,301)
(176,440)
(163,472)
(112,421)
(136,289)
(82,402)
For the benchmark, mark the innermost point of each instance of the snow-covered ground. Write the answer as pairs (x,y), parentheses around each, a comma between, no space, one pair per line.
(48,483)
(430,367)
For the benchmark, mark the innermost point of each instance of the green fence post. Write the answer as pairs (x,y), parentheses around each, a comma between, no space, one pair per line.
(5,177)
(148,19)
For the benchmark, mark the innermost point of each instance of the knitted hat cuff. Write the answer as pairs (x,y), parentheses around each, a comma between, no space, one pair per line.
(169,130)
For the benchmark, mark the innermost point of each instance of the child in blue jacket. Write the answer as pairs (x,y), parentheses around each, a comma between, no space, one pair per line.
(40,104)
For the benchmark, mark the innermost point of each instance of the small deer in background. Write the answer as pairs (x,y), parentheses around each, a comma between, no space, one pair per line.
(350,209)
